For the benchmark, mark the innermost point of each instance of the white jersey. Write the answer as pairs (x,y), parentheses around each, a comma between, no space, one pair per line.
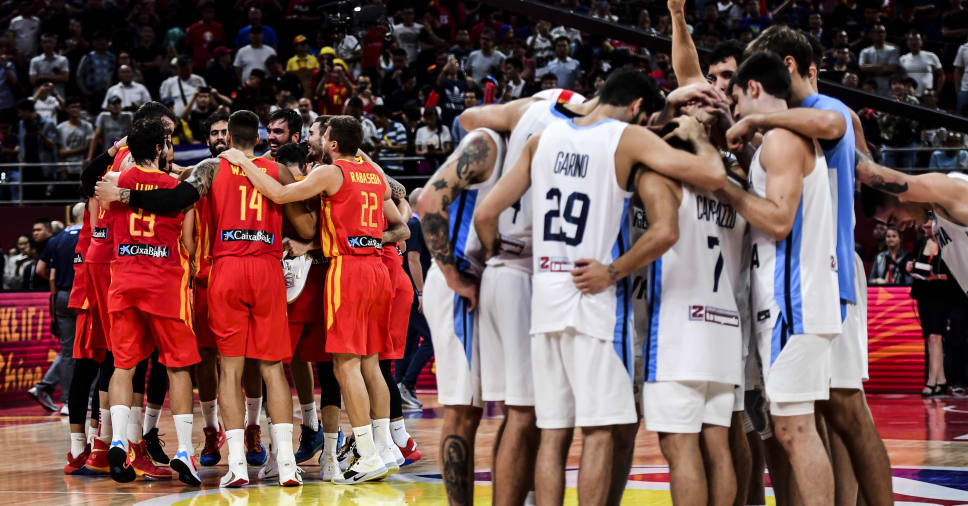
(580,212)
(795,279)
(694,326)
(468,250)
(514,224)
(953,240)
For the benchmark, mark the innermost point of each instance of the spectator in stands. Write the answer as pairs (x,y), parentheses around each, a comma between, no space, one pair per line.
(146,57)
(880,59)
(710,23)
(200,108)
(462,47)
(332,92)
(731,11)
(566,69)
(50,65)
(38,144)
(308,115)
(484,61)
(302,64)
(393,138)
(255,20)
(14,262)
(110,125)
(961,79)
(923,66)
(95,72)
(354,107)
(956,159)
(540,45)
(26,27)
(393,73)
(850,80)
(407,34)
(219,73)
(433,139)
(899,131)
(250,92)
(203,35)
(451,87)
(253,56)
(349,50)
(41,233)
(407,94)
(47,102)
(753,19)
(840,65)
(8,86)
(889,265)
(517,87)
(279,80)
(181,87)
(74,136)
(132,94)
(364,90)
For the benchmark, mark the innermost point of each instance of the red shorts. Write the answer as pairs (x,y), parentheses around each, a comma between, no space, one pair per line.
(98,283)
(247,307)
(78,300)
(308,342)
(203,331)
(138,333)
(399,321)
(357,305)
(89,339)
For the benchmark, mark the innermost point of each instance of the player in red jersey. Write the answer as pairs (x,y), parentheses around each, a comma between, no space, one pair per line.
(351,234)
(152,308)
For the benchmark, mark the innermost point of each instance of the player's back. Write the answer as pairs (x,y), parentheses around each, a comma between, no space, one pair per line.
(580,211)
(244,223)
(351,221)
(101,249)
(953,240)
(150,258)
(796,277)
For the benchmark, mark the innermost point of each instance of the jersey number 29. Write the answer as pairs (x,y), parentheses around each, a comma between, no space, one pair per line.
(575,213)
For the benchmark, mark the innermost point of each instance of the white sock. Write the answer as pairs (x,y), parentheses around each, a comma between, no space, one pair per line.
(282,442)
(330,440)
(78,442)
(530,499)
(381,433)
(119,422)
(252,407)
(364,440)
(309,417)
(183,429)
(210,413)
(151,419)
(104,426)
(399,433)
(91,434)
(134,425)
(236,441)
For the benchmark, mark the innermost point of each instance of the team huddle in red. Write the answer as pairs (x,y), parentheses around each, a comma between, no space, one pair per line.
(186,262)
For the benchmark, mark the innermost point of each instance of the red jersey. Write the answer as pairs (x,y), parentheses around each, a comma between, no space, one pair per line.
(151,262)
(78,298)
(392,254)
(101,250)
(243,221)
(351,221)
(203,240)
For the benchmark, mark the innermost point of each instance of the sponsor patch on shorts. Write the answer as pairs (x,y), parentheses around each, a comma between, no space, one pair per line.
(710,314)
(78,258)
(100,233)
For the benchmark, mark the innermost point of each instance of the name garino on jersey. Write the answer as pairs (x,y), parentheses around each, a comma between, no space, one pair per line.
(364,177)
(720,213)
(571,164)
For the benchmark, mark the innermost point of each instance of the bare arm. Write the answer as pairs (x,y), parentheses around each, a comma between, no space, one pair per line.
(508,190)
(188,233)
(43,271)
(931,188)
(806,121)
(416,270)
(704,169)
(784,156)
(497,117)
(685,58)
(860,142)
(319,181)
(397,229)
(300,215)
(959,75)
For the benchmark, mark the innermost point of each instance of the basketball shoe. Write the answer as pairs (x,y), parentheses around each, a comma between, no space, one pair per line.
(363,469)
(120,463)
(214,439)
(75,465)
(238,476)
(255,453)
(155,447)
(329,467)
(410,452)
(143,465)
(187,468)
(310,442)
(97,461)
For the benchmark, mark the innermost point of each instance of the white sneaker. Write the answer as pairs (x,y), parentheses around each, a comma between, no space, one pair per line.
(290,475)
(270,469)
(329,468)
(363,469)
(347,454)
(187,469)
(389,460)
(238,476)
(64,411)
(397,454)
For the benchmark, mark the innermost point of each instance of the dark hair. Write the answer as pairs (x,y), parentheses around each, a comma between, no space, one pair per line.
(255,30)
(216,116)
(244,128)
(476,90)
(914,33)
(784,41)
(399,52)
(291,154)
(294,121)
(515,62)
(323,119)
(722,51)
(72,101)
(153,111)
(560,38)
(816,49)
(43,221)
(765,68)
(144,138)
(347,132)
(872,199)
(270,60)
(898,78)
(355,102)
(47,35)
(626,85)
(25,104)
(548,76)
(379,110)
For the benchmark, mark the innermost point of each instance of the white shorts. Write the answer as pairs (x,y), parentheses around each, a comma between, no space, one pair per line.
(580,381)
(848,352)
(504,322)
(456,353)
(682,407)
(801,371)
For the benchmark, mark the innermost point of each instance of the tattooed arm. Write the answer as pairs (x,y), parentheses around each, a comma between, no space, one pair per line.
(164,200)
(934,188)
(508,190)
(472,162)
(397,190)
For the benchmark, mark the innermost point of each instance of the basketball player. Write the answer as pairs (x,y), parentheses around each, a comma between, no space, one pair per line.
(152,307)
(356,282)
(833,124)
(580,323)
(796,320)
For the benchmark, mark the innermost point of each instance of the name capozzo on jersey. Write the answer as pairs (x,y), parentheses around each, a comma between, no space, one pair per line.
(712,210)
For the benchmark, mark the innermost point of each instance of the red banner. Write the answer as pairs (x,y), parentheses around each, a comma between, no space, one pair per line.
(26,345)
(895,346)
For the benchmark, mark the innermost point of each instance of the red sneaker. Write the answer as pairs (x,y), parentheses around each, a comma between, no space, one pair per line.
(255,453)
(213,442)
(410,452)
(75,465)
(97,461)
(143,465)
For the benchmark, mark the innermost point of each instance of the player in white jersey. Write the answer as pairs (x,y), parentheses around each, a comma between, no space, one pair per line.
(581,173)
(794,286)
(504,322)
(446,207)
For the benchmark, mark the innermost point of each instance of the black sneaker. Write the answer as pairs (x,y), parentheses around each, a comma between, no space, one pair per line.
(121,469)
(156,447)
(43,398)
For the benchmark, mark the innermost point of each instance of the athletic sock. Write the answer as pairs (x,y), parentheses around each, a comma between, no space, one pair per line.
(235,439)
(381,433)
(210,413)
(252,407)
(183,429)
(104,426)
(364,440)
(330,440)
(91,435)
(399,433)
(119,424)
(78,442)
(151,419)
(134,425)
(282,442)
(310,418)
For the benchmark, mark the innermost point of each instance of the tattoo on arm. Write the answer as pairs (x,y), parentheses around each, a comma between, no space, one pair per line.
(125,195)
(473,153)
(455,454)
(436,230)
(874,179)
(203,175)
(397,189)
